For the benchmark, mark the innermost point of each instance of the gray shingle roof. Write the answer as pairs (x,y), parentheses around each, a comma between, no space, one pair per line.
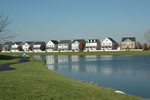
(64,41)
(130,38)
(18,43)
(112,40)
(79,40)
(36,43)
(8,43)
(29,42)
(54,41)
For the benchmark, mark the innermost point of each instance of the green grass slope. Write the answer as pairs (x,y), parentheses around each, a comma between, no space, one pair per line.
(33,81)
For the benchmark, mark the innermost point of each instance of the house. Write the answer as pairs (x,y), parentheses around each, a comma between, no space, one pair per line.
(16,46)
(75,43)
(51,45)
(64,45)
(39,46)
(128,43)
(109,44)
(6,46)
(27,46)
(93,45)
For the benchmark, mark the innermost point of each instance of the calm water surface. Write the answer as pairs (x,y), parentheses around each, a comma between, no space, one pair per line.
(130,74)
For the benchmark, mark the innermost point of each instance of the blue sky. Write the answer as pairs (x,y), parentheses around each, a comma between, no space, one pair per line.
(77,19)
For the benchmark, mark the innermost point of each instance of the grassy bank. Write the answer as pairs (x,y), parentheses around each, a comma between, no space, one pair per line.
(86,53)
(33,81)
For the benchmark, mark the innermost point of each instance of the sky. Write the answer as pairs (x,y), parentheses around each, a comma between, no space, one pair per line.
(43,20)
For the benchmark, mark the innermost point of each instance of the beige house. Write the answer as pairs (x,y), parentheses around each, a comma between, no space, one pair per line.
(6,46)
(128,43)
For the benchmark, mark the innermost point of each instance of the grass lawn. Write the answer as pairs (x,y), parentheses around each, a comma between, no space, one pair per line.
(33,81)
(86,53)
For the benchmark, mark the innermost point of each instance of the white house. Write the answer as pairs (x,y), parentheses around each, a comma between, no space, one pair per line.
(51,45)
(64,45)
(93,45)
(75,44)
(109,44)
(16,46)
(27,46)
(39,46)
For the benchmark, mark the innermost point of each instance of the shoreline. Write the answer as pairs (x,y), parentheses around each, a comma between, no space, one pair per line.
(103,53)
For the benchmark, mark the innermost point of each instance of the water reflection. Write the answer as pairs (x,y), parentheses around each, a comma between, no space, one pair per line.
(107,70)
(106,57)
(104,64)
(119,72)
(52,62)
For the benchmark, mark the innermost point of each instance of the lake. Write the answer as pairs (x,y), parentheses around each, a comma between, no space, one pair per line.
(130,74)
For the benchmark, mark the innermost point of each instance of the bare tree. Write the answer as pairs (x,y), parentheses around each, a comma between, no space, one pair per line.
(4,30)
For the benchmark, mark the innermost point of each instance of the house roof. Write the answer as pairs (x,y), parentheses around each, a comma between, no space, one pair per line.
(64,41)
(8,43)
(79,40)
(36,43)
(54,41)
(29,42)
(18,43)
(112,40)
(130,38)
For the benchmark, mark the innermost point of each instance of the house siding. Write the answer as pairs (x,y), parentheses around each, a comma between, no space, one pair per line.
(108,44)
(64,45)
(50,46)
(75,45)
(7,46)
(16,47)
(128,44)
(25,47)
(39,46)
(93,45)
